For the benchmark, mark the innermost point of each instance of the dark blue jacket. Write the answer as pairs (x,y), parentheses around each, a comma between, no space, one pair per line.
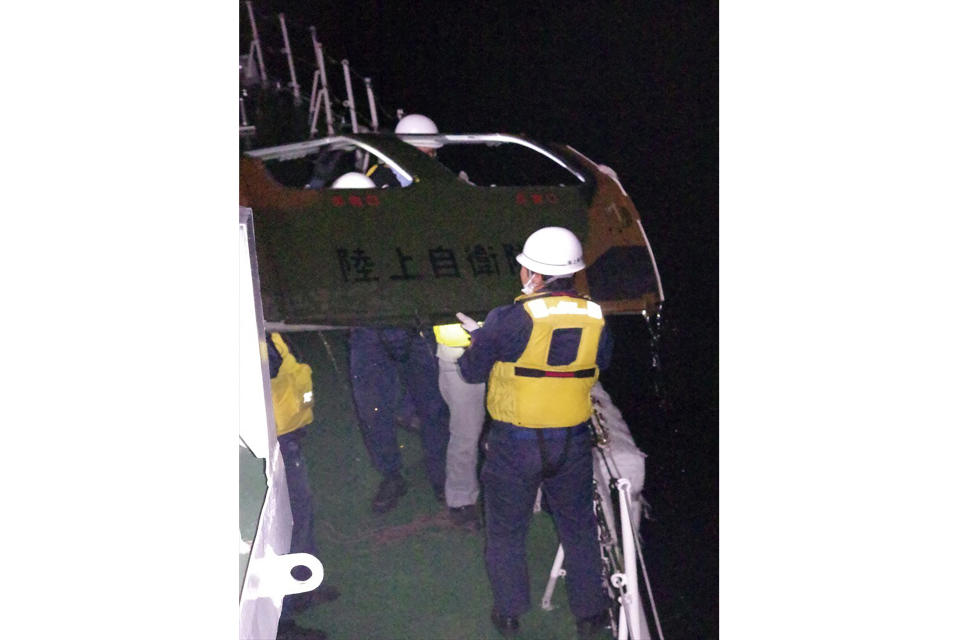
(504,335)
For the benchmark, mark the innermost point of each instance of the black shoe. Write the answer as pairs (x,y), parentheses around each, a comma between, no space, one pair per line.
(467,517)
(302,601)
(290,630)
(508,626)
(391,488)
(594,627)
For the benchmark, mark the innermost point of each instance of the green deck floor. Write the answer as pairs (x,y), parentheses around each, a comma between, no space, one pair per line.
(406,574)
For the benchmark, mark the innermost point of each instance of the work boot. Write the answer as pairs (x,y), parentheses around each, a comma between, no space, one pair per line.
(290,630)
(508,626)
(391,488)
(594,627)
(466,517)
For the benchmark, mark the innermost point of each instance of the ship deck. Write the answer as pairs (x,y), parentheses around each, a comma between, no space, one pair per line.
(410,573)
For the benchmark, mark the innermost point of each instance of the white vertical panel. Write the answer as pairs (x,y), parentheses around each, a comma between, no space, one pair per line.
(267,577)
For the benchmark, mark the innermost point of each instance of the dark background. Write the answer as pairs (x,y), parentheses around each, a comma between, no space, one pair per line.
(633,85)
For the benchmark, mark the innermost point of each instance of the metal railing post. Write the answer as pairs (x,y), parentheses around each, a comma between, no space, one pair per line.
(322,95)
(289,53)
(313,97)
(350,104)
(322,67)
(318,93)
(373,107)
(556,571)
(256,44)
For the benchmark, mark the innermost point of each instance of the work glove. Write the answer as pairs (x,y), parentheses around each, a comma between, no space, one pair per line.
(469,324)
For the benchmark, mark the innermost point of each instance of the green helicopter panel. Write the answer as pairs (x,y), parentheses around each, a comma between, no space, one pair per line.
(446,242)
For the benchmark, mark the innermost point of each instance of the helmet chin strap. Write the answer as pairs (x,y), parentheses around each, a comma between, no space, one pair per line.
(527,289)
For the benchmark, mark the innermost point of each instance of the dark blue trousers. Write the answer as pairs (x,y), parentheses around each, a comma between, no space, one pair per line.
(516,464)
(301,505)
(379,360)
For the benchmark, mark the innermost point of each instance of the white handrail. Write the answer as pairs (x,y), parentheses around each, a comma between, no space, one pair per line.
(630,600)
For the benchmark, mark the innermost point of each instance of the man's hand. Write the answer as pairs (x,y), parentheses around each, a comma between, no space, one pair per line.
(469,324)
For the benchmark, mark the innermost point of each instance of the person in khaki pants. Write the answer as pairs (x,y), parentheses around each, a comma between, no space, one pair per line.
(467,413)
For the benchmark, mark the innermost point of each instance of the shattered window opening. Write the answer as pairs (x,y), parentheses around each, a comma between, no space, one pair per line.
(481,160)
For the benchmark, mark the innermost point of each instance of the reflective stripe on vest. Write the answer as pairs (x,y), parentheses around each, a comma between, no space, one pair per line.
(532,393)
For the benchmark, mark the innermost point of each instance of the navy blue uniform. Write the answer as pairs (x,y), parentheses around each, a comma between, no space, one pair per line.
(520,460)
(378,359)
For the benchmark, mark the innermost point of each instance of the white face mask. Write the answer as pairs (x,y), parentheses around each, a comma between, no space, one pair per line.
(526,288)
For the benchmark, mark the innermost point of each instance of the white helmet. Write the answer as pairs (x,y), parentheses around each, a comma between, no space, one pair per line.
(353,180)
(552,251)
(414,124)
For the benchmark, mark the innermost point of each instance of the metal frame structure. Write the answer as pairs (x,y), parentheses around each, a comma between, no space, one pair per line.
(627,618)
(255,43)
(289,53)
(349,103)
(301,149)
(320,90)
(374,121)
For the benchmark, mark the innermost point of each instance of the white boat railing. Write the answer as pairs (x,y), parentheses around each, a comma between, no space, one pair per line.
(321,92)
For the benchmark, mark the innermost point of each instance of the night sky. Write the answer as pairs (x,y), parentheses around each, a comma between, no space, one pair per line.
(633,85)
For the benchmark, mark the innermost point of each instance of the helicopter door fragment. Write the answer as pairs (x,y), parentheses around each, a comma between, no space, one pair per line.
(621,272)
(419,254)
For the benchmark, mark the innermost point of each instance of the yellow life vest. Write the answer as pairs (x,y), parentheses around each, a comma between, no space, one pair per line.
(292,390)
(532,393)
